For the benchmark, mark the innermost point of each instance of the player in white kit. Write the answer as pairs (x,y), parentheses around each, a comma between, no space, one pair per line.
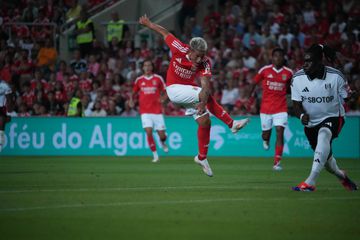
(318,93)
(5,103)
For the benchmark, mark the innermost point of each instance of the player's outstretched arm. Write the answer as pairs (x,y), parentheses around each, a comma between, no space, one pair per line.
(144,20)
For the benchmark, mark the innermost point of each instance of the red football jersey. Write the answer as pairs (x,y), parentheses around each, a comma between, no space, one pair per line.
(181,70)
(274,84)
(149,89)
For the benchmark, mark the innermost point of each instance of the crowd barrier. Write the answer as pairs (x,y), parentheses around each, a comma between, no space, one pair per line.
(119,136)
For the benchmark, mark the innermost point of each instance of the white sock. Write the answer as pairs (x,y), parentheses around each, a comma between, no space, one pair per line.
(321,154)
(155,154)
(333,168)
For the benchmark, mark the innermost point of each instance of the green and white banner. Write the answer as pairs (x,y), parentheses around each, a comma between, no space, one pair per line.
(118,136)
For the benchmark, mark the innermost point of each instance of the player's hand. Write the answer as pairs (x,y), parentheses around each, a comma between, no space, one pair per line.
(144,20)
(305,119)
(131,103)
(201,108)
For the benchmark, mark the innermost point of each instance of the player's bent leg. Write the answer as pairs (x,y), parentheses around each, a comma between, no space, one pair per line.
(204,125)
(162,136)
(266,134)
(332,167)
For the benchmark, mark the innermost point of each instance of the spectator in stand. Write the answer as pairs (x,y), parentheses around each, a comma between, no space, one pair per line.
(78,64)
(61,71)
(128,111)
(116,29)
(24,67)
(85,33)
(98,110)
(75,108)
(47,56)
(30,10)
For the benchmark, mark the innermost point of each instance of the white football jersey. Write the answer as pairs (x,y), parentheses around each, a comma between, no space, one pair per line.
(321,98)
(4,90)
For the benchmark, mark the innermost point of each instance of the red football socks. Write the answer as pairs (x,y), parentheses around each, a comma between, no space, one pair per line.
(278,153)
(203,141)
(218,111)
(151,142)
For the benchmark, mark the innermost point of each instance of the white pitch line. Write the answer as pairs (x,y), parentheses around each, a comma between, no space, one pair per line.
(195,201)
(279,187)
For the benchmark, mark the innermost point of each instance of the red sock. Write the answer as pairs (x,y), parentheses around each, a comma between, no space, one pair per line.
(203,141)
(151,142)
(219,112)
(278,153)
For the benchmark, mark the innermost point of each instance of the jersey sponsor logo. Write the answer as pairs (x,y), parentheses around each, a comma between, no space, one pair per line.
(327,99)
(305,90)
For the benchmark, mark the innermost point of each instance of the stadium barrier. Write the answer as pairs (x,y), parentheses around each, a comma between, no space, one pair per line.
(119,136)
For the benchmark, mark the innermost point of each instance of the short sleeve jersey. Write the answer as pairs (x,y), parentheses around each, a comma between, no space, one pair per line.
(274,85)
(181,70)
(321,98)
(149,89)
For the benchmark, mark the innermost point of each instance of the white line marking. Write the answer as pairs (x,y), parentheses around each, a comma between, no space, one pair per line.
(280,186)
(119,204)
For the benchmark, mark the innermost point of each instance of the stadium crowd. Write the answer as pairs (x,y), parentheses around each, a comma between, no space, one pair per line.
(241,36)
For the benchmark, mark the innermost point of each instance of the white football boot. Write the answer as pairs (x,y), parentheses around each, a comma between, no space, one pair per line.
(239,124)
(165,147)
(266,145)
(205,166)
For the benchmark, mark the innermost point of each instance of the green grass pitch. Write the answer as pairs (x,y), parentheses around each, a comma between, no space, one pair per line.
(132,198)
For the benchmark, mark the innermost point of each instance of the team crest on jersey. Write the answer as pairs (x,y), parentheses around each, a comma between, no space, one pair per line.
(154,82)
(328,86)
(283,77)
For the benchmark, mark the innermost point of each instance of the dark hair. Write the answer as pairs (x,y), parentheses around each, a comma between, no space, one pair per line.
(148,60)
(280,50)
(318,51)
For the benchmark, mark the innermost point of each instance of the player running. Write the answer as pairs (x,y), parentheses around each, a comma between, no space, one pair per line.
(275,80)
(150,88)
(318,93)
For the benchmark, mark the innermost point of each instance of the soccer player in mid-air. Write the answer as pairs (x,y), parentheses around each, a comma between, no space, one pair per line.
(151,89)
(318,93)
(275,80)
(188,62)
(6,102)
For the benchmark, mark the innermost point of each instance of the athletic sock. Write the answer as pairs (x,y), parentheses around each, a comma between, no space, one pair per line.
(219,112)
(203,141)
(321,154)
(278,153)
(151,142)
(155,154)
